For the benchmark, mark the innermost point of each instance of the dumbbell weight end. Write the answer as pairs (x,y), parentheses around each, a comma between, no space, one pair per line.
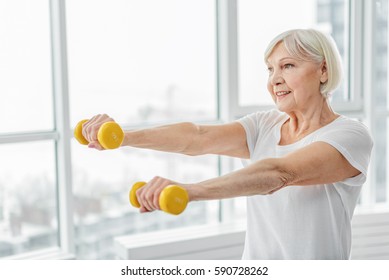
(78,133)
(173,198)
(110,135)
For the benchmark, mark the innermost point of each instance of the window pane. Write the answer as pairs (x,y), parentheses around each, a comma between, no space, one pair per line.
(380,97)
(25,68)
(259,22)
(102,181)
(148,60)
(380,54)
(28,204)
(380,126)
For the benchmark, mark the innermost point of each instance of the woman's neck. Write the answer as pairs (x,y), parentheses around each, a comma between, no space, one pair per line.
(303,122)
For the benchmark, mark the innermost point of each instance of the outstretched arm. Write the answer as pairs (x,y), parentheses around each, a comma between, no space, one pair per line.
(318,163)
(185,138)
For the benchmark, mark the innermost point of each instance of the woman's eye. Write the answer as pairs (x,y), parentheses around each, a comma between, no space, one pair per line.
(269,69)
(288,66)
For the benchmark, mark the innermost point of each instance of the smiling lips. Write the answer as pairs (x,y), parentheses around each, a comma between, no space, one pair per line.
(282,93)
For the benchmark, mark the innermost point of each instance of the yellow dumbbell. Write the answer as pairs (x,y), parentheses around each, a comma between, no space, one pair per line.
(173,199)
(110,135)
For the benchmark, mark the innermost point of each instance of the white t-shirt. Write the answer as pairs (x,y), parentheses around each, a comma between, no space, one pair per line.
(304,222)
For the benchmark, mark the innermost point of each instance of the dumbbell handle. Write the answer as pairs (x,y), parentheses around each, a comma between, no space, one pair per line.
(173,198)
(110,135)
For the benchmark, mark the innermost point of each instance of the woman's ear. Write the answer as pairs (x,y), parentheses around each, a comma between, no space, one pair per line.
(324,73)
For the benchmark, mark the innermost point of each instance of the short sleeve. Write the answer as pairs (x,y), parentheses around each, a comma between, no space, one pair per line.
(352,139)
(257,124)
(251,128)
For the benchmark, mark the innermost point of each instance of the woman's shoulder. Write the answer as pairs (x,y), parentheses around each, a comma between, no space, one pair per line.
(343,122)
(343,126)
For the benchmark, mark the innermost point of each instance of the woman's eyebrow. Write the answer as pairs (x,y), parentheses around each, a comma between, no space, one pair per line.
(286,58)
(280,60)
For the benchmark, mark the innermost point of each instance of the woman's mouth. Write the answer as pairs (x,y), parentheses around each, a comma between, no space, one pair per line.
(282,93)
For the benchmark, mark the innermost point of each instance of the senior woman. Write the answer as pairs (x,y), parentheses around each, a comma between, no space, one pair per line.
(304,164)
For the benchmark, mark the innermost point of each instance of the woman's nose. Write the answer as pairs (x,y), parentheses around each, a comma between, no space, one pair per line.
(276,78)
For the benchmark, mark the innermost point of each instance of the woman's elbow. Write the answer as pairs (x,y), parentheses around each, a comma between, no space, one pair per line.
(193,145)
(279,174)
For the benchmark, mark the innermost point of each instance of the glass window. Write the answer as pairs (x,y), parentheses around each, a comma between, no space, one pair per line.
(102,181)
(380,100)
(260,22)
(146,62)
(28,199)
(25,68)
(28,203)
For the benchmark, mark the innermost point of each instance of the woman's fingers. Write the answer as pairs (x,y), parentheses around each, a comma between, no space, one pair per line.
(148,196)
(91,128)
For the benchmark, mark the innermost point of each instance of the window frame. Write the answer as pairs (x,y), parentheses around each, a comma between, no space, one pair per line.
(60,135)
(62,126)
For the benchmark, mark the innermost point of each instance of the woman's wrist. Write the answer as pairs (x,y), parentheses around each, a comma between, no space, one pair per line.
(195,192)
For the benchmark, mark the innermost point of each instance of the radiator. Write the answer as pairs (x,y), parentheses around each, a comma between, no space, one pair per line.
(225,241)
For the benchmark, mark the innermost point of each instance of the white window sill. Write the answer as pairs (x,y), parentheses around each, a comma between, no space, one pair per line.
(199,242)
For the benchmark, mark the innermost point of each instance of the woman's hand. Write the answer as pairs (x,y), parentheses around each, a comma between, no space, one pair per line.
(91,128)
(148,195)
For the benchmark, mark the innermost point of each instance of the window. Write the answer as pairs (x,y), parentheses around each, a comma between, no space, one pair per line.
(147,63)
(379,118)
(28,203)
(25,67)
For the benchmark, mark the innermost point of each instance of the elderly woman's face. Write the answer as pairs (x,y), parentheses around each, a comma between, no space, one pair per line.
(293,84)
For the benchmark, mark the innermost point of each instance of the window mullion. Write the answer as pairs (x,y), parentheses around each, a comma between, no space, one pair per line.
(227,58)
(62,124)
(367,44)
(227,65)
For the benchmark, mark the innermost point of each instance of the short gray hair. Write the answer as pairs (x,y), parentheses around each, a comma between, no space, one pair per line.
(312,45)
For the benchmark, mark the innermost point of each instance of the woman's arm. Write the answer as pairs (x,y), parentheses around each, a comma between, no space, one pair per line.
(318,163)
(192,139)
(185,138)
